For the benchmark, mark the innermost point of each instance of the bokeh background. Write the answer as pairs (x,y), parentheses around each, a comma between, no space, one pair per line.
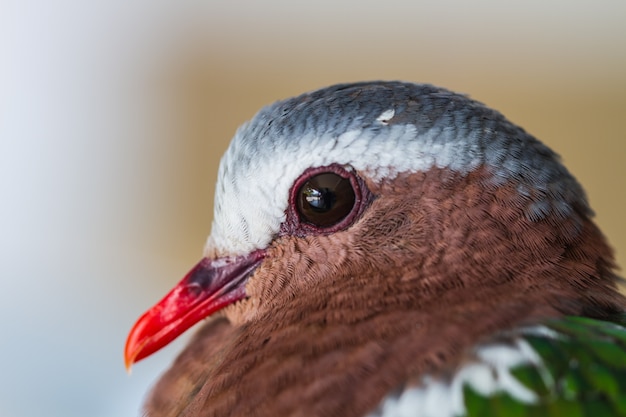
(114,113)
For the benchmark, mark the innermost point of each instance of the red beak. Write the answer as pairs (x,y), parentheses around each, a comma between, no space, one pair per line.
(210,286)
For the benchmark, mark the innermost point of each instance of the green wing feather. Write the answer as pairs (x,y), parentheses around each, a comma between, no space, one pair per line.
(582,373)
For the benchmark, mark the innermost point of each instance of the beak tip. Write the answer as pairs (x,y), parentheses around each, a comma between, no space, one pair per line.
(131,351)
(128,363)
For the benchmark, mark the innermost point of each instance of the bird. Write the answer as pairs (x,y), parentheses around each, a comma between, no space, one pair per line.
(387,248)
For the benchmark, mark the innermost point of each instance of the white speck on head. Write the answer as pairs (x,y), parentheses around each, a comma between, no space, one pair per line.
(386,116)
(489,374)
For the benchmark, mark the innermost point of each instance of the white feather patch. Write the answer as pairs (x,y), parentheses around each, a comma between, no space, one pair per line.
(386,116)
(489,374)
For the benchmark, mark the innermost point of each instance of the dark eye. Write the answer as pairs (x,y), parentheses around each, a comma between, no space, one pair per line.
(325,199)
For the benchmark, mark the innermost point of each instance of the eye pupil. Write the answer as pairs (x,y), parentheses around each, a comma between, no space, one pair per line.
(320,200)
(325,199)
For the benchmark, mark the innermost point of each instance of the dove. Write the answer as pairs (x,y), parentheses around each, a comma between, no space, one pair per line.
(392,249)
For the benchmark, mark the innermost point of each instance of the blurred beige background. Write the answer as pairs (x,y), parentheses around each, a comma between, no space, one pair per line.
(113,116)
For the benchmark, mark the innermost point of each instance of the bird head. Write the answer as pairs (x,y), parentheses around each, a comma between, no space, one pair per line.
(348,201)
